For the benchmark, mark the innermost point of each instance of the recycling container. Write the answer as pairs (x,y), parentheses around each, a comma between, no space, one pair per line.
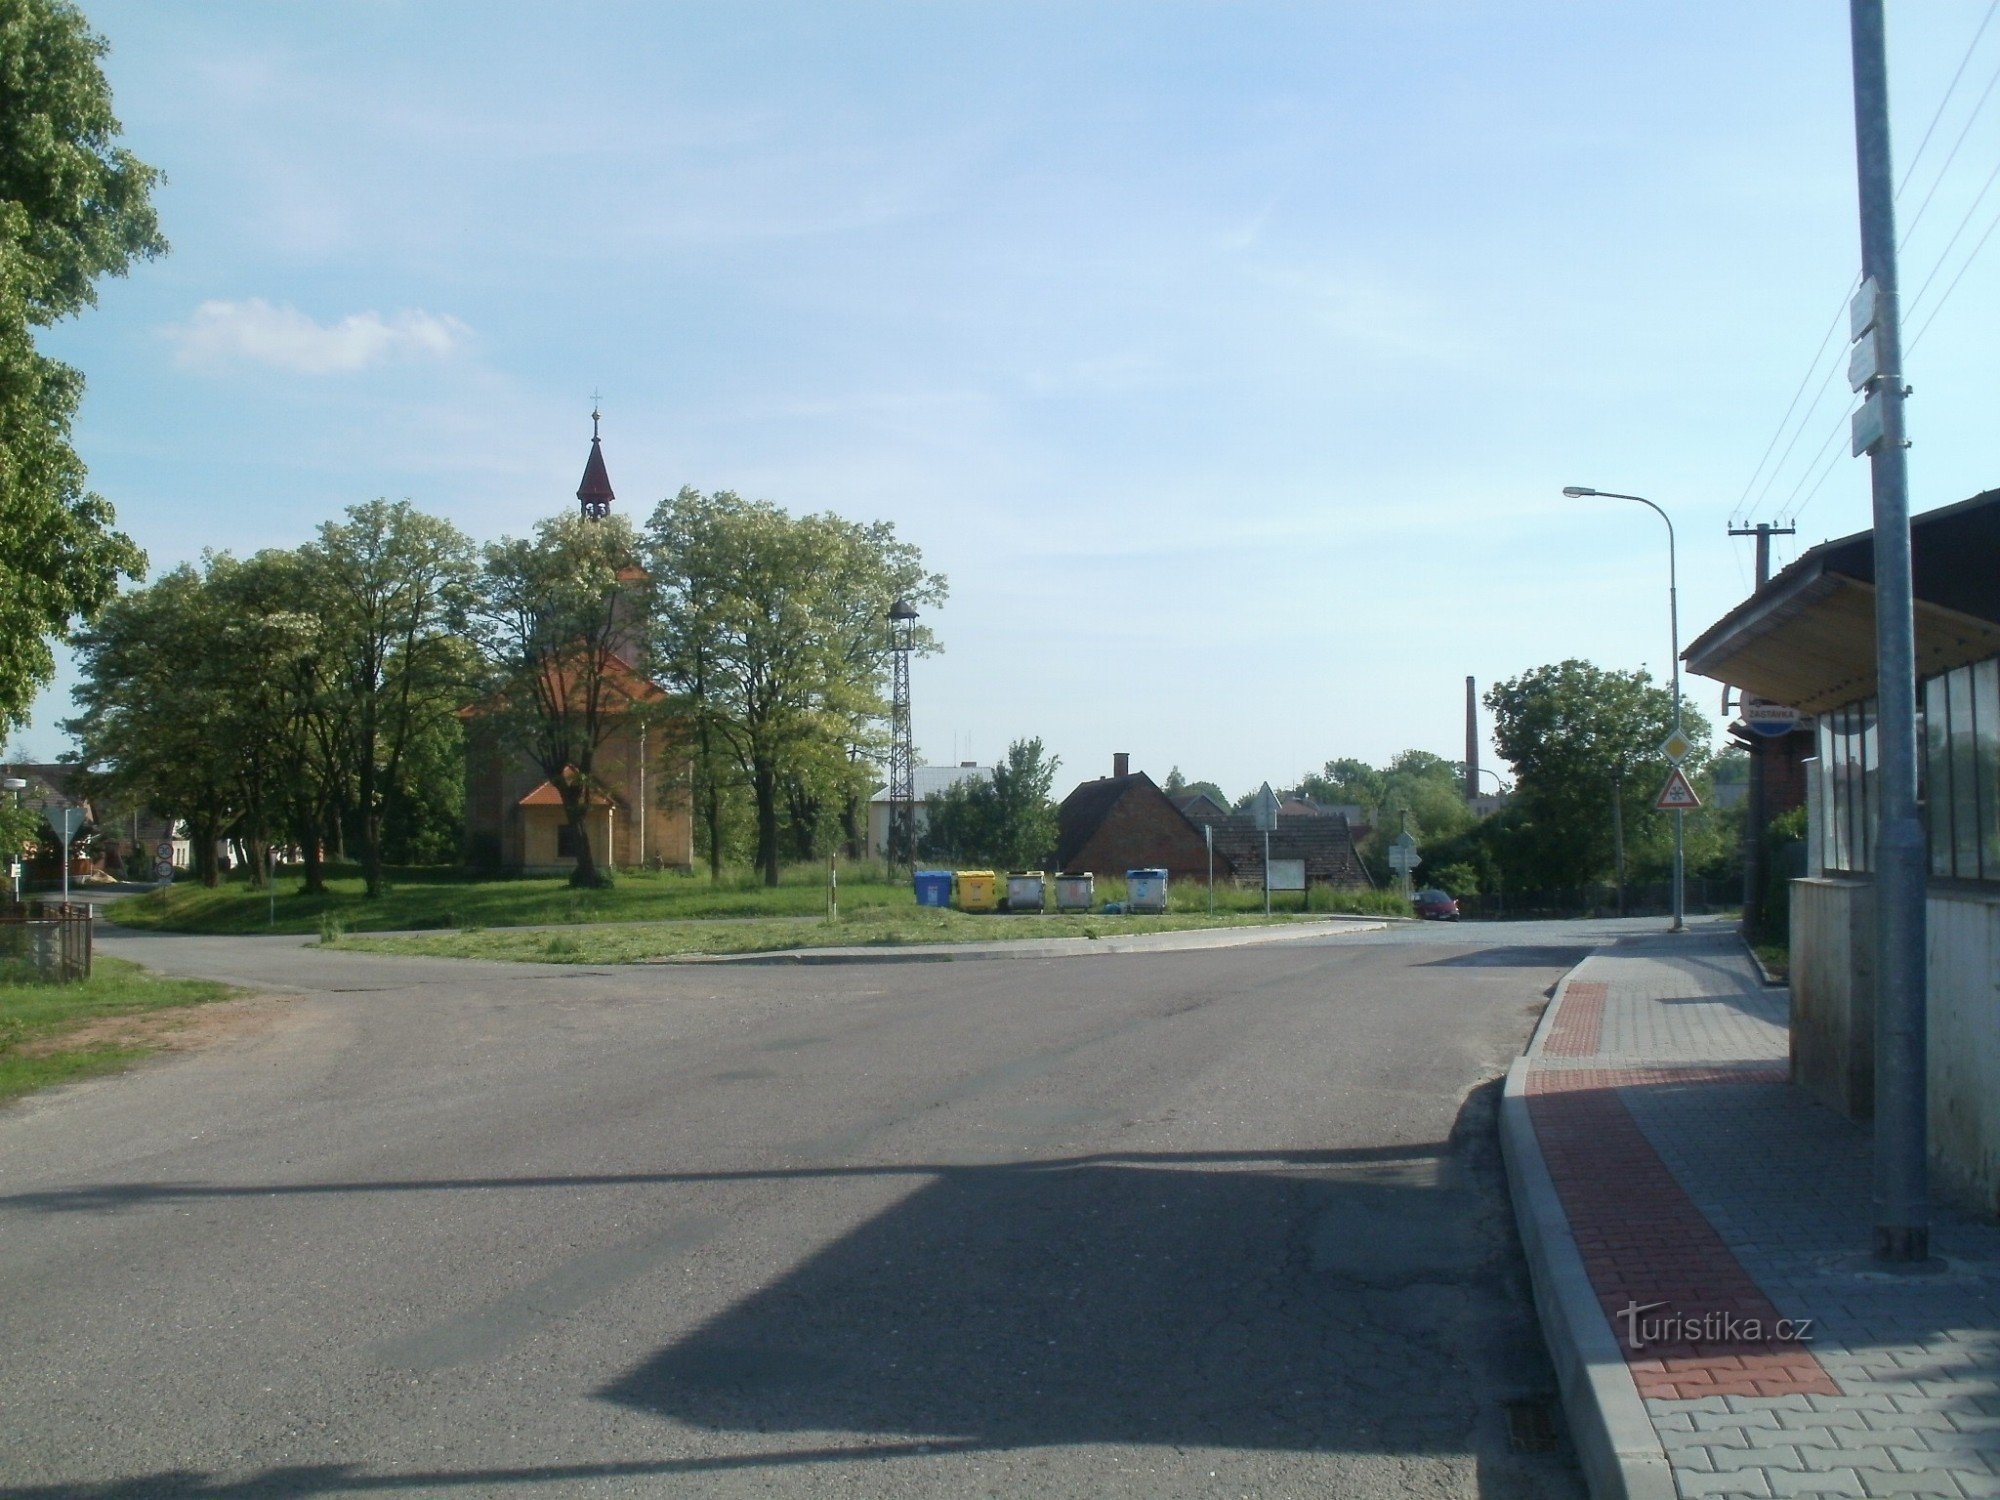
(933,887)
(1146,890)
(1076,892)
(975,890)
(1027,890)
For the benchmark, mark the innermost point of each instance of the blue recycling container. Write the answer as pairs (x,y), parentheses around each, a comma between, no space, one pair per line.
(1145,890)
(933,887)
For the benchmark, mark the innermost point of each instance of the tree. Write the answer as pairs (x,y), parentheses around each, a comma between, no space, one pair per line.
(1573,733)
(772,626)
(1178,785)
(557,619)
(394,588)
(73,207)
(1008,822)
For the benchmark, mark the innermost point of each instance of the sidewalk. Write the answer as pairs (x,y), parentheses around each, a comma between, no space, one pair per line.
(1697,1232)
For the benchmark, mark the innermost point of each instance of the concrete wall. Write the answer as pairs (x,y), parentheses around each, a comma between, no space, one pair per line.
(1833,993)
(1964,1046)
(1833,1022)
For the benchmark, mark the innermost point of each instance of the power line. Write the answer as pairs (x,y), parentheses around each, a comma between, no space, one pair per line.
(1952,243)
(1839,312)
(1979,246)
(1787,512)
(1743,504)
(1797,433)
(1949,89)
(1950,157)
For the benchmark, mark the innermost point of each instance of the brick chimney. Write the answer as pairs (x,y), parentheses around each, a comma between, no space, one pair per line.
(1121,763)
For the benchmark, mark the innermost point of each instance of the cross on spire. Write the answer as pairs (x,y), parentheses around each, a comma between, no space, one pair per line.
(595,492)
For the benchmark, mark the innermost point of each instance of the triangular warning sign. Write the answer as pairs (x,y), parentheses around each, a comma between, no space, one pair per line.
(1676,795)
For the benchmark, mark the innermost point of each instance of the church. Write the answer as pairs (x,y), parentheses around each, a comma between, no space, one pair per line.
(639,813)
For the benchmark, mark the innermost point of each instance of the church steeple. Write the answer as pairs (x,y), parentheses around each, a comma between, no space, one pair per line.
(595,491)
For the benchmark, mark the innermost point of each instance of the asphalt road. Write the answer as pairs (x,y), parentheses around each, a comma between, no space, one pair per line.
(1222,1223)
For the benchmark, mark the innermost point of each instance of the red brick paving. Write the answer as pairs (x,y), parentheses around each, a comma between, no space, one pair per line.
(1580,1022)
(1644,1241)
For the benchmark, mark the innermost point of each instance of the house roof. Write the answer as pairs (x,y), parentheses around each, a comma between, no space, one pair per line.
(1807,637)
(548,794)
(929,780)
(1324,843)
(1196,806)
(1084,810)
(622,680)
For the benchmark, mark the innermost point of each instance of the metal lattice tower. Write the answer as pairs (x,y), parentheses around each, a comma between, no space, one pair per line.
(902,745)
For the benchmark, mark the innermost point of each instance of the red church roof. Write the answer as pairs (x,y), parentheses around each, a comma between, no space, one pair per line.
(595,491)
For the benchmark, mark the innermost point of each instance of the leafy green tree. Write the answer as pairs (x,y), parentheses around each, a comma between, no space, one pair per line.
(393,588)
(74,206)
(1177,785)
(557,617)
(772,626)
(1577,735)
(1009,822)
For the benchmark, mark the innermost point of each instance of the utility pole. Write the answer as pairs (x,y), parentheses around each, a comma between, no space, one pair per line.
(1618,831)
(1902,1147)
(1753,813)
(902,830)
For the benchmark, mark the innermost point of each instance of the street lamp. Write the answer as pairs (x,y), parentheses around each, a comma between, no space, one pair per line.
(1580,492)
(902,828)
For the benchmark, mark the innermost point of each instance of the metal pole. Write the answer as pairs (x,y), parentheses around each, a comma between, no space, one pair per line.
(1902,1211)
(1618,831)
(1267,872)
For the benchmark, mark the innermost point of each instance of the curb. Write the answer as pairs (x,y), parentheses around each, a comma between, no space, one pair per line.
(1615,1442)
(1771,981)
(1017,948)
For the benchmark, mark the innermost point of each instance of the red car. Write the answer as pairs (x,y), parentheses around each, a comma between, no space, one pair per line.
(1434,905)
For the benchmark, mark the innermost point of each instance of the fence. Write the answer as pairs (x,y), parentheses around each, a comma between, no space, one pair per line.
(45,942)
(1647,899)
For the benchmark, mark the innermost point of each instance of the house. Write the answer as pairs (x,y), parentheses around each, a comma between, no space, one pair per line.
(928,782)
(1806,639)
(1198,805)
(1321,838)
(637,812)
(1125,822)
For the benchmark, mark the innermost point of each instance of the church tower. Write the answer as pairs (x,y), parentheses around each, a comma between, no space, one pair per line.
(595,491)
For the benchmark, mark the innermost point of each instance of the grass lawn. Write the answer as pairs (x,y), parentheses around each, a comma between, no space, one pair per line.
(1776,958)
(878,927)
(451,898)
(36,1020)
(444,898)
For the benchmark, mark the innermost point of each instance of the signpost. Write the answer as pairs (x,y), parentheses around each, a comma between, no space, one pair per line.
(1677,795)
(1208,838)
(1403,858)
(1266,815)
(67,822)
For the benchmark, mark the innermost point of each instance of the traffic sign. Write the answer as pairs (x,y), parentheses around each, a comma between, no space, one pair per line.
(164,850)
(1677,795)
(1865,310)
(1866,428)
(1403,854)
(163,869)
(1265,809)
(1675,747)
(1762,716)
(66,821)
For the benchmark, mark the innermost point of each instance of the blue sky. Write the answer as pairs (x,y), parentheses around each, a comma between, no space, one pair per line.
(1230,359)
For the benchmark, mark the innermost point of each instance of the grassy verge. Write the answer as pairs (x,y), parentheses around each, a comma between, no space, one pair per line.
(1776,959)
(449,898)
(35,1019)
(442,898)
(632,942)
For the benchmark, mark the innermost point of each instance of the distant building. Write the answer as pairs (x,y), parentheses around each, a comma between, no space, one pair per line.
(928,782)
(636,815)
(1198,805)
(1320,837)
(1125,822)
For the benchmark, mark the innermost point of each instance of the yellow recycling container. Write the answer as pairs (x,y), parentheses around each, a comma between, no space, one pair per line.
(975,890)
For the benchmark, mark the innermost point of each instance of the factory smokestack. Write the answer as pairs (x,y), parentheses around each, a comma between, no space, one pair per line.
(1471,741)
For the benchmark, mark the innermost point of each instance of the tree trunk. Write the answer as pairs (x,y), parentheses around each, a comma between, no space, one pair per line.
(850,825)
(315,860)
(764,784)
(576,808)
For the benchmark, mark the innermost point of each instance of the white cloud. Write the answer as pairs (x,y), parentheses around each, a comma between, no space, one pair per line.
(255,332)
